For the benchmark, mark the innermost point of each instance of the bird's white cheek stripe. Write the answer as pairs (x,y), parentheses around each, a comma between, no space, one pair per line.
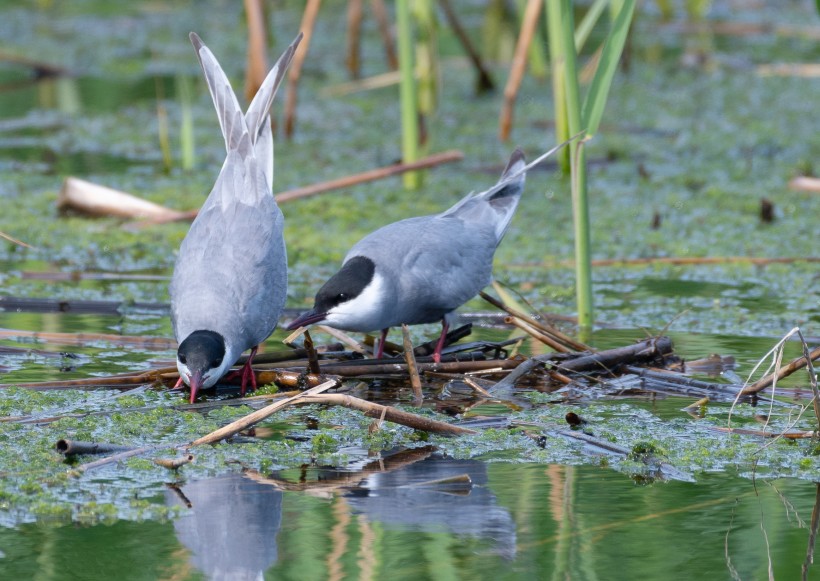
(184,372)
(363,313)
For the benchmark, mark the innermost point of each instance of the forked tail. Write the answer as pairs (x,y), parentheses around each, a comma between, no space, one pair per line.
(247,134)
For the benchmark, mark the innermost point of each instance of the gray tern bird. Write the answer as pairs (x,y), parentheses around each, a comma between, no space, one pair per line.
(420,270)
(230,278)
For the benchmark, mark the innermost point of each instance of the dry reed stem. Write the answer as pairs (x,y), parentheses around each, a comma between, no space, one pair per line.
(259,415)
(370,175)
(380,12)
(257,68)
(546,328)
(391,414)
(784,371)
(345,339)
(680,261)
(519,64)
(313,358)
(410,358)
(476,388)
(13,240)
(536,334)
(354,27)
(485,81)
(306,27)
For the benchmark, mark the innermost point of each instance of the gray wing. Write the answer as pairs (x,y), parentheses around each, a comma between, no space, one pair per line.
(440,262)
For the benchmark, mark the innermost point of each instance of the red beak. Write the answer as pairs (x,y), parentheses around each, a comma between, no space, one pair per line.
(195,382)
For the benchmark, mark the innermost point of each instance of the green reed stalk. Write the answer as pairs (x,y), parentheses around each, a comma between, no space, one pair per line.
(407,93)
(186,129)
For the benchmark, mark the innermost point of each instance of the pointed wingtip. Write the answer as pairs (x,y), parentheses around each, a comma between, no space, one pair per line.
(196,41)
(515,165)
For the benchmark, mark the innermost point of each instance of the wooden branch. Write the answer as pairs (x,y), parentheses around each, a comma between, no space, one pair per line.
(785,371)
(646,350)
(259,415)
(370,175)
(519,64)
(391,414)
(308,22)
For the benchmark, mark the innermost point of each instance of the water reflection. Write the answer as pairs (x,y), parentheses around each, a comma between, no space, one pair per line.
(232,526)
(430,496)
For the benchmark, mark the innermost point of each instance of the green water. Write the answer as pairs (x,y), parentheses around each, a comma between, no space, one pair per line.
(518,522)
(697,145)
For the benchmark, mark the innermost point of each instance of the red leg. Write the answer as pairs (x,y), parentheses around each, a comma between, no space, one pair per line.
(440,343)
(247,373)
(178,384)
(382,339)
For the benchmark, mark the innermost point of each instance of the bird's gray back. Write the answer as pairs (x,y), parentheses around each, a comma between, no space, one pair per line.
(231,273)
(432,265)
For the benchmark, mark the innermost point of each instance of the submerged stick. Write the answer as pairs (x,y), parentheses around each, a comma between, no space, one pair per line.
(117,457)
(174,463)
(785,371)
(391,414)
(74,447)
(259,415)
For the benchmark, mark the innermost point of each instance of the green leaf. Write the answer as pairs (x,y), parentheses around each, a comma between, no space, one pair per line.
(588,23)
(595,100)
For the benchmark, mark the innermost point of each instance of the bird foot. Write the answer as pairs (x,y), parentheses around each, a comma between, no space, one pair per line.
(179,384)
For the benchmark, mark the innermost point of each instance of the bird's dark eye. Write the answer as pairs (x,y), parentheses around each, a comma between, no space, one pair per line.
(341,297)
(183,359)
